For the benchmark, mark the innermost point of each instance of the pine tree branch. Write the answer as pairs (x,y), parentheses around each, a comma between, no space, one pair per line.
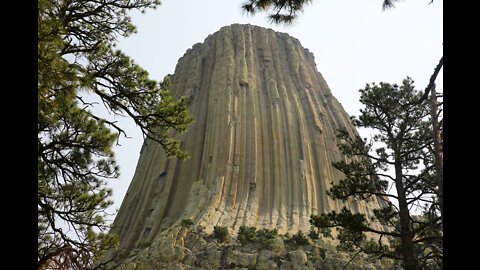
(353,258)
(429,87)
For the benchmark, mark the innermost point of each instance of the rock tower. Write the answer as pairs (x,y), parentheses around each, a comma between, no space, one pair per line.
(261,144)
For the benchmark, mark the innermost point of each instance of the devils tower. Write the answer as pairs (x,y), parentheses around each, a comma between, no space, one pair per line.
(261,144)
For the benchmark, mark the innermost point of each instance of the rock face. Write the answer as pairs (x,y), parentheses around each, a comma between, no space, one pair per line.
(191,248)
(261,144)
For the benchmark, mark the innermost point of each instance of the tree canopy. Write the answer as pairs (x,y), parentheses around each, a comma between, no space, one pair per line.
(77,57)
(403,144)
(286,11)
(281,11)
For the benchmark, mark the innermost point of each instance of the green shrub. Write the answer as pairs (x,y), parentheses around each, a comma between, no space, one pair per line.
(266,233)
(246,234)
(250,234)
(300,239)
(145,244)
(220,233)
(313,234)
(266,236)
(186,223)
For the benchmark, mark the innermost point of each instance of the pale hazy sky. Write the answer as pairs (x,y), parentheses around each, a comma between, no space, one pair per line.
(354,42)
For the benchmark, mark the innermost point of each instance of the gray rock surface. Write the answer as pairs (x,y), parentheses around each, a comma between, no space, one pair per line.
(232,255)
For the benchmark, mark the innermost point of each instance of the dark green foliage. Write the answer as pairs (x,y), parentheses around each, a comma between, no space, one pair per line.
(323,223)
(287,238)
(300,239)
(250,234)
(286,11)
(402,142)
(352,227)
(278,11)
(247,234)
(76,58)
(220,233)
(186,223)
(266,236)
(313,234)
(387,4)
(145,244)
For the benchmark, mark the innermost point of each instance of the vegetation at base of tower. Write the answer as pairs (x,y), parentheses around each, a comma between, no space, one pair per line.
(313,233)
(251,234)
(186,223)
(300,239)
(403,144)
(265,236)
(77,58)
(246,234)
(220,233)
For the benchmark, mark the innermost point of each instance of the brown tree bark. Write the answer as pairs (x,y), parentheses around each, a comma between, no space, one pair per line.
(409,257)
(437,146)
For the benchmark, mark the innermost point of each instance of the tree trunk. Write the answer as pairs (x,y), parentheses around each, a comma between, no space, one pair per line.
(438,150)
(409,257)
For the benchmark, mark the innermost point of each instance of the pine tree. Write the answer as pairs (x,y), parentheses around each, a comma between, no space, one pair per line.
(286,11)
(403,142)
(76,56)
(278,11)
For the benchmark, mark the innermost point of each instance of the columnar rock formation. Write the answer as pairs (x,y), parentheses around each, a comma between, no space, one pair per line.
(261,145)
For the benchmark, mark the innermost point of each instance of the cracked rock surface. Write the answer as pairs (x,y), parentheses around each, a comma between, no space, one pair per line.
(184,252)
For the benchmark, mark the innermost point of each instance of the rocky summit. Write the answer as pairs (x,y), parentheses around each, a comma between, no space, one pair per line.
(261,148)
